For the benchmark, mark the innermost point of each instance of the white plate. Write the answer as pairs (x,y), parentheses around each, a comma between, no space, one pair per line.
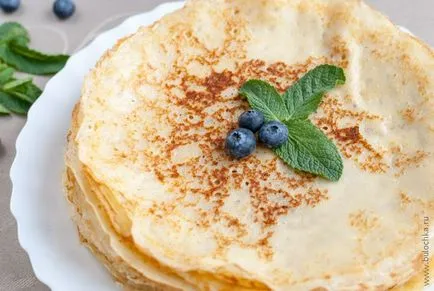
(45,230)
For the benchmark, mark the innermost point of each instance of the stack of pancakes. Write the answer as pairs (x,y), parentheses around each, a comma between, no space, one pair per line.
(161,204)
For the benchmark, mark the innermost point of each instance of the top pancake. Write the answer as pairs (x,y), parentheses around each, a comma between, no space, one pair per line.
(157,108)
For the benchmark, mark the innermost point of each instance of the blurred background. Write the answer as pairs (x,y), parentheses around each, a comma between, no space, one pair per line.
(91,17)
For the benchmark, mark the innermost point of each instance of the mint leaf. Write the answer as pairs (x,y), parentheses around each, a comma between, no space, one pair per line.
(12,31)
(308,149)
(28,92)
(14,104)
(304,97)
(30,61)
(15,83)
(20,88)
(265,98)
(35,55)
(6,74)
(4,110)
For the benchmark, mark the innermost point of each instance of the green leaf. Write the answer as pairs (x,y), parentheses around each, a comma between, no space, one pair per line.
(304,97)
(21,88)
(6,74)
(21,40)
(15,83)
(4,110)
(12,31)
(31,61)
(14,104)
(28,92)
(35,55)
(265,98)
(308,149)
(17,95)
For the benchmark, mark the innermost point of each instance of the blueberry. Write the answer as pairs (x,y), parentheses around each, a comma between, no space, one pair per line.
(252,120)
(9,6)
(240,143)
(273,134)
(64,8)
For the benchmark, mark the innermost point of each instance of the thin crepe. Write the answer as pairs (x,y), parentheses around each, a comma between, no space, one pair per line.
(146,152)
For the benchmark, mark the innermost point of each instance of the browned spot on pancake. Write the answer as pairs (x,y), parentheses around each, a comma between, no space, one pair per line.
(348,135)
(159,175)
(409,114)
(217,82)
(349,139)
(363,222)
(404,198)
(403,161)
(319,289)
(196,101)
(266,251)
(339,51)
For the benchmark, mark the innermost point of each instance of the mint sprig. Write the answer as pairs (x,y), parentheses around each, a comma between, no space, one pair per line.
(307,149)
(17,95)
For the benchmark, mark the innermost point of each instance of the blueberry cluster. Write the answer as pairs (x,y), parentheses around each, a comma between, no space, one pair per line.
(62,8)
(241,142)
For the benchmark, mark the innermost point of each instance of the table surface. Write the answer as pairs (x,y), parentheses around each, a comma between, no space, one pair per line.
(52,35)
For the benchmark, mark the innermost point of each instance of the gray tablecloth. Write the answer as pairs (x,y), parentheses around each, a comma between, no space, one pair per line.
(53,35)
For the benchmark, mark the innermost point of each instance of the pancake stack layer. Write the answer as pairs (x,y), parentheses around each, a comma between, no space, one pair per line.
(161,204)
